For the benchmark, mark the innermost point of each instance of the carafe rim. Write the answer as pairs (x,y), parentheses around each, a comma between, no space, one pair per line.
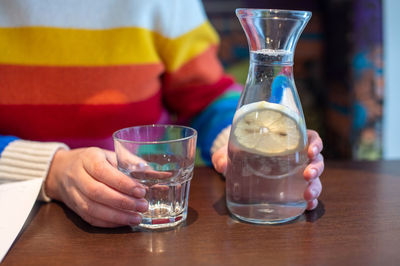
(284,14)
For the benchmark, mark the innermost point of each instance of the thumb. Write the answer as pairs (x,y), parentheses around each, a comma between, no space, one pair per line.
(111,158)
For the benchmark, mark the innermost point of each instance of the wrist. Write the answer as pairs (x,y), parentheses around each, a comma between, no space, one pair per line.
(53,177)
(221,140)
(24,159)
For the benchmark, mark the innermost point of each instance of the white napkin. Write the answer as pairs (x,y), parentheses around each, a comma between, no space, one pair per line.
(16,202)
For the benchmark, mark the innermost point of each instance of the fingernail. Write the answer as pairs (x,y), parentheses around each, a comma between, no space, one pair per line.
(139,192)
(313,172)
(134,220)
(314,193)
(142,205)
(315,150)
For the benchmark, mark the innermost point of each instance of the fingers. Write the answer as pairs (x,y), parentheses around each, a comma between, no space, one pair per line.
(100,215)
(315,144)
(311,205)
(312,193)
(315,168)
(220,159)
(91,186)
(96,165)
(101,193)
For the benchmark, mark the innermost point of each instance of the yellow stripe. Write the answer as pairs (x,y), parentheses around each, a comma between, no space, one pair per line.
(56,46)
(64,47)
(177,52)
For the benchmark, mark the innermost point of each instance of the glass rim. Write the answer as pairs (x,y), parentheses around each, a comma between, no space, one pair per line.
(194,134)
(272,13)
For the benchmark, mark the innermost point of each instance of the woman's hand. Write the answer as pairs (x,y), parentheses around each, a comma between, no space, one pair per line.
(88,181)
(311,173)
(314,170)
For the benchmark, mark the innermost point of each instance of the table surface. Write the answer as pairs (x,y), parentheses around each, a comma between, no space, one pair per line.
(356,223)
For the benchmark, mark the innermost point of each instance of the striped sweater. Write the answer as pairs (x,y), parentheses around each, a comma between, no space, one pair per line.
(72,72)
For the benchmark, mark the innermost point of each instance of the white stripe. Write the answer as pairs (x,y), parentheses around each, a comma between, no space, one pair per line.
(171,18)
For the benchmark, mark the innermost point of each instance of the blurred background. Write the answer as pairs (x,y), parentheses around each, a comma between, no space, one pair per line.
(338,69)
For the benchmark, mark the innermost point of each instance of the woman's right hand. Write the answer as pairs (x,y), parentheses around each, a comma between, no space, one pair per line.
(87,181)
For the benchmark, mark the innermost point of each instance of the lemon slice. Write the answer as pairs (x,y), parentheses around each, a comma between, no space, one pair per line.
(268,128)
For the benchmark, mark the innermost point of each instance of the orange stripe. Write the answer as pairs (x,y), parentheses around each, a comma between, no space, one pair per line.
(78,85)
(201,70)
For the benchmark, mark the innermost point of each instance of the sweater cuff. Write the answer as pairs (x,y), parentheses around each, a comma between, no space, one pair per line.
(23,159)
(221,140)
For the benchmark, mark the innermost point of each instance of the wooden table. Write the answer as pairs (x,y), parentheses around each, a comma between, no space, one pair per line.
(357,223)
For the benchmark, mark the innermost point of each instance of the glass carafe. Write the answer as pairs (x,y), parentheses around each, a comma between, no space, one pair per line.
(267,150)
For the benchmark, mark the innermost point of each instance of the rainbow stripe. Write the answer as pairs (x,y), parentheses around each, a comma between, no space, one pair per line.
(78,70)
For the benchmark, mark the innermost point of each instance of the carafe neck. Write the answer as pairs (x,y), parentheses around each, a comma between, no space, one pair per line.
(272,34)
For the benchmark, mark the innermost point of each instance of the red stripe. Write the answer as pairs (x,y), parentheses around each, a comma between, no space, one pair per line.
(54,122)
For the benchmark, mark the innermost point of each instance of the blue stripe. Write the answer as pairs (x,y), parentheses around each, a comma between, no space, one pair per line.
(4,141)
(278,86)
(209,123)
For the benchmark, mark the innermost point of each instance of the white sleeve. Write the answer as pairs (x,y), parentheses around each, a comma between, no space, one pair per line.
(221,140)
(23,159)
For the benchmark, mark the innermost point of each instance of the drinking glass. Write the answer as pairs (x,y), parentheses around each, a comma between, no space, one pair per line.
(161,158)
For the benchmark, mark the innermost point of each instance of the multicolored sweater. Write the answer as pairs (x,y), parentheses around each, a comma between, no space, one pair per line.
(72,72)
